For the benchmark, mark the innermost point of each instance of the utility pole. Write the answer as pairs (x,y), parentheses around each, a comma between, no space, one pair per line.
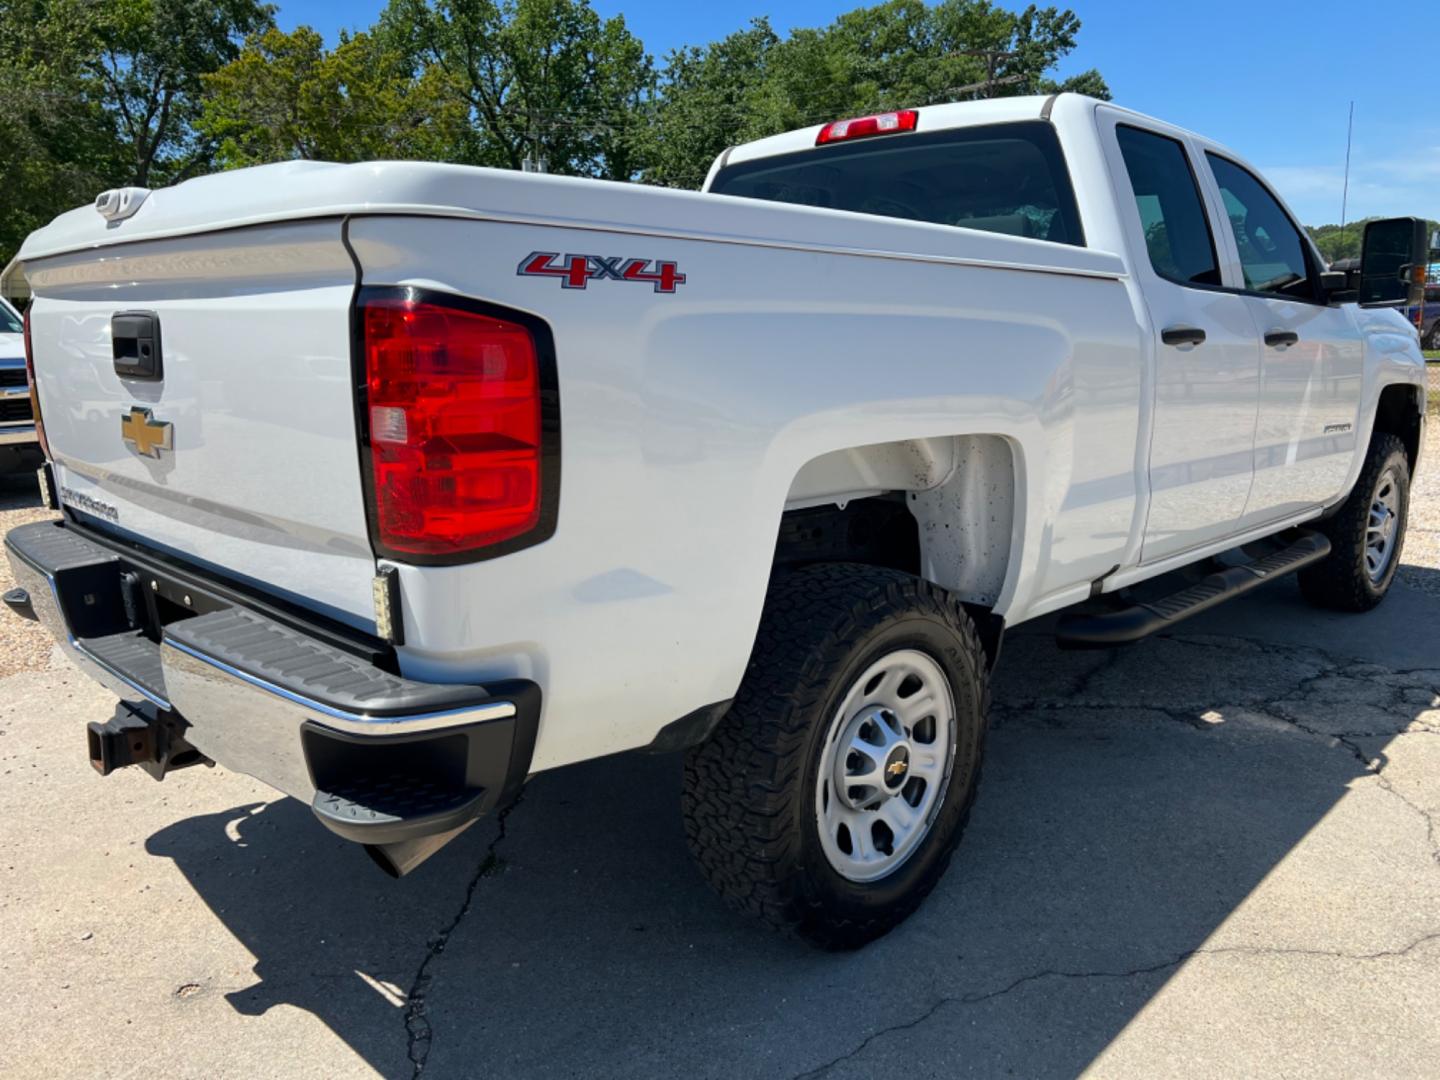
(534,160)
(992,58)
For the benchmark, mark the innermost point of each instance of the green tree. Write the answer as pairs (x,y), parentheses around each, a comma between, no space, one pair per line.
(286,96)
(270,103)
(57,149)
(145,64)
(887,56)
(101,93)
(543,81)
(1090,83)
(704,104)
(98,95)
(1337,242)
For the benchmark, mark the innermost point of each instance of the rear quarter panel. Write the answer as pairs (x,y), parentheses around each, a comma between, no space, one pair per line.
(685,417)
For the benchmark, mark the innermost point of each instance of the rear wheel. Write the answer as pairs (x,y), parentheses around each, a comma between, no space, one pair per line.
(1366,534)
(831,796)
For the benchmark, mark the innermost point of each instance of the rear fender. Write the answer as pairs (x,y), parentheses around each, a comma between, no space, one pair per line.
(961,490)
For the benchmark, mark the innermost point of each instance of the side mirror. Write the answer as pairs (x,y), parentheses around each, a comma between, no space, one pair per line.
(1392,262)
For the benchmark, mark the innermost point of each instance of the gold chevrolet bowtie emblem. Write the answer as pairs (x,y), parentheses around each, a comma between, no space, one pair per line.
(146,435)
(896,767)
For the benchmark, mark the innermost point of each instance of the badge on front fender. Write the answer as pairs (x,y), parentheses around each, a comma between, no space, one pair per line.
(577,271)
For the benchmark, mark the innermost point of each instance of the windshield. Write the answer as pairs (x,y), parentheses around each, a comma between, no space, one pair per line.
(9,321)
(1003,178)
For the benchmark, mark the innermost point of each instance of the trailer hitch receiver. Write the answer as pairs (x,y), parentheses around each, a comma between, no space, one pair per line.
(136,735)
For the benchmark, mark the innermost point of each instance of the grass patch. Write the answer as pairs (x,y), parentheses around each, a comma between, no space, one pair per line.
(1433,356)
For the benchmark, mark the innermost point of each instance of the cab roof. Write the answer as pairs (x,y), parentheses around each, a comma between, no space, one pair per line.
(932,118)
(958,114)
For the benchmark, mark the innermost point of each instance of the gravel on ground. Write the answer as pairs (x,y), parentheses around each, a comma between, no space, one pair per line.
(24,646)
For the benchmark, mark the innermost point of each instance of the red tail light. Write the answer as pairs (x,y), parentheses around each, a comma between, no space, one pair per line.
(34,386)
(457,431)
(863,126)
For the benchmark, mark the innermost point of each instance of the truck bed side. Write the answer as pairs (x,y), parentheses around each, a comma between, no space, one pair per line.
(686,418)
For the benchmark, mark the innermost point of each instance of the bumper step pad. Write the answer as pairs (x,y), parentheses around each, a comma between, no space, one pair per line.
(133,654)
(395,806)
(384,790)
(303,665)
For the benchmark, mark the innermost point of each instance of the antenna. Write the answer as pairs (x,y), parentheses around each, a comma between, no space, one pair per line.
(1345,192)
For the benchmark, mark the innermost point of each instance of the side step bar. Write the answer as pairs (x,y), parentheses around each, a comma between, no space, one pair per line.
(1103,630)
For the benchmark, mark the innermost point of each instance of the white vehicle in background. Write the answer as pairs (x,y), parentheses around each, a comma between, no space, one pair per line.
(19,447)
(395,484)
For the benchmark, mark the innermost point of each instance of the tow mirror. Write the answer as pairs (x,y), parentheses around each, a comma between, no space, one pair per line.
(1392,262)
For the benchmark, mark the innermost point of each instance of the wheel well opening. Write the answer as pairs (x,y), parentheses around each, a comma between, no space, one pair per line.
(942,509)
(1398,413)
(878,531)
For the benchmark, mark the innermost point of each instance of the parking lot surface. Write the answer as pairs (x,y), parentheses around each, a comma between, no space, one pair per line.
(1214,853)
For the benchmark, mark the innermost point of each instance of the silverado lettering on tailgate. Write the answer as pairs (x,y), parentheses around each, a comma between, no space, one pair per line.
(577,271)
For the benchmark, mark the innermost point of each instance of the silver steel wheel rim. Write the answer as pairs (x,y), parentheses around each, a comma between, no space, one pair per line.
(1383,526)
(885,765)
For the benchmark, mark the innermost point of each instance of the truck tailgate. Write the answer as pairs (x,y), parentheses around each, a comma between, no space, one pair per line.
(257,474)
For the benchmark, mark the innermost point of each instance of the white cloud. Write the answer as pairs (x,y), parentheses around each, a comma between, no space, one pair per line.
(1393,186)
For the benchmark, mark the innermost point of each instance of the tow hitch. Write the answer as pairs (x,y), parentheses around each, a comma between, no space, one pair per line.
(138,735)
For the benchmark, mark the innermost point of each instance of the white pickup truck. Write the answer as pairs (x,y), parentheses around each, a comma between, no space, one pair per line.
(19,448)
(395,484)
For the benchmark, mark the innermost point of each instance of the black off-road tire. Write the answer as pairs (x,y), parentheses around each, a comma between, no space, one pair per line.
(749,794)
(1341,581)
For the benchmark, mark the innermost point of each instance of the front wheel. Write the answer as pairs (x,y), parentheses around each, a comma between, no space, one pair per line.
(830,798)
(1366,533)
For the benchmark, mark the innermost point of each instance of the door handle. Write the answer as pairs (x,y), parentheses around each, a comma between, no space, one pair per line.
(1278,339)
(1182,335)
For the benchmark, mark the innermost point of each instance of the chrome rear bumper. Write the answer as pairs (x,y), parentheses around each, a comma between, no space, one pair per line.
(291,708)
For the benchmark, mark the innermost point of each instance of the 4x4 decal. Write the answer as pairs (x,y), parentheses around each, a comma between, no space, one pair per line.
(577,271)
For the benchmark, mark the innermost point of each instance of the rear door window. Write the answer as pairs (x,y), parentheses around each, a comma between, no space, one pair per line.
(1177,231)
(1003,178)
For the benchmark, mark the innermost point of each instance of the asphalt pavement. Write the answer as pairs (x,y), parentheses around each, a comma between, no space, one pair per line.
(1211,854)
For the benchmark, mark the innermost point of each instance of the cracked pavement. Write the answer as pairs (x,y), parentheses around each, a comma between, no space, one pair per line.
(1215,853)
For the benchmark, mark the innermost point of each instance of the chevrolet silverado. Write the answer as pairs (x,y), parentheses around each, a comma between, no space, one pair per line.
(395,484)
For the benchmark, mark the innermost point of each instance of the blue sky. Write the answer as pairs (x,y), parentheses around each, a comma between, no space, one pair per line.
(1273,80)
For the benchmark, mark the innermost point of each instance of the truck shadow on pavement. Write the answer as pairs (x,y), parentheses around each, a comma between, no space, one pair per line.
(1132,800)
